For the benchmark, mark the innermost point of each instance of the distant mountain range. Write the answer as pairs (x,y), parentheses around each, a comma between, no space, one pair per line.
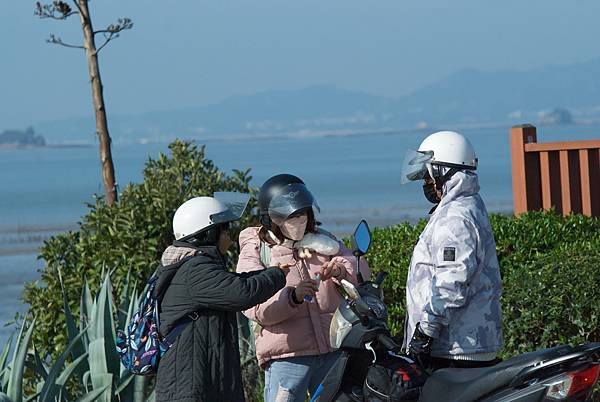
(466,98)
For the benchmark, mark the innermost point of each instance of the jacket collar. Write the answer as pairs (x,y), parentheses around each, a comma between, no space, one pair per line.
(208,251)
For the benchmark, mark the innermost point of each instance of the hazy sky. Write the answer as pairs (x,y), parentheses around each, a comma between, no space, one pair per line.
(188,52)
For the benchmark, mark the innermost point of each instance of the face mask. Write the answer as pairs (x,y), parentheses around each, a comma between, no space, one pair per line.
(431,193)
(295,227)
(224,242)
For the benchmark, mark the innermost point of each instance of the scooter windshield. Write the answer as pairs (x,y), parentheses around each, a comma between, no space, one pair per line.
(414,166)
(236,205)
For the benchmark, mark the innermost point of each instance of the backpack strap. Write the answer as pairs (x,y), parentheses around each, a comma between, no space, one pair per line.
(265,260)
(178,329)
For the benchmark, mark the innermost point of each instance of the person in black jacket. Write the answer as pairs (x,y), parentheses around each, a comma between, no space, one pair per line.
(202,297)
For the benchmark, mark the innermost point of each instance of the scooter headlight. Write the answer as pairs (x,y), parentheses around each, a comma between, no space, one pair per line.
(340,327)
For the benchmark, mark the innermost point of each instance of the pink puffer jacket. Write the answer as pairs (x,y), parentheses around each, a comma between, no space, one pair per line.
(284,328)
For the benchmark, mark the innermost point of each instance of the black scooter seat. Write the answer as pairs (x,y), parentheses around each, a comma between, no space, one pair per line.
(465,385)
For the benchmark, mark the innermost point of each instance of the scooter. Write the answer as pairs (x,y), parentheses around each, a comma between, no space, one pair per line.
(359,330)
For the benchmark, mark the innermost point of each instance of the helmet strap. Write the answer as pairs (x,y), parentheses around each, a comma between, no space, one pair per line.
(265,221)
(438,184)
(443,179)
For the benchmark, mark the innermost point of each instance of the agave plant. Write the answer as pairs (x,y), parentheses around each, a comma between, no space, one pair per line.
(90,356)
(12,374)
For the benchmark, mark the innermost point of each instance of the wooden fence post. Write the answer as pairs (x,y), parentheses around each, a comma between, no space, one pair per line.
(526,180)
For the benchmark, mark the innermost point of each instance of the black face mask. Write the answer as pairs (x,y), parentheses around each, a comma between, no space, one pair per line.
(430,193)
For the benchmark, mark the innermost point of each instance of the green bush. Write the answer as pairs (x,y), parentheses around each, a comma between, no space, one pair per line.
(128,237)
(551,278)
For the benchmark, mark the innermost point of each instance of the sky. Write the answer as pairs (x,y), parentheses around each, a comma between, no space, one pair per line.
(194,52)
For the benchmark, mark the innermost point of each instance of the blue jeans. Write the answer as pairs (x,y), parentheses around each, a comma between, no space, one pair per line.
(287,380)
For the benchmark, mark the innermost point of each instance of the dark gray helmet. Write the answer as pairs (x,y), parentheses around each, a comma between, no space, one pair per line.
(281,196)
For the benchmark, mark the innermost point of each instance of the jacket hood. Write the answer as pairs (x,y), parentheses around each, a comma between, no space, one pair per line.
(178,254)
(461,184)
(173,254)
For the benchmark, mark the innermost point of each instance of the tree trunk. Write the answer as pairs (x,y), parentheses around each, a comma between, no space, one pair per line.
(108,169)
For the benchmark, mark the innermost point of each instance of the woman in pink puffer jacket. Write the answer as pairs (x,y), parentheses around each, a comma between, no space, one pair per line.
(292,328)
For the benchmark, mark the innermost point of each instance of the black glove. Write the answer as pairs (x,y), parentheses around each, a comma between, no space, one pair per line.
(419,347)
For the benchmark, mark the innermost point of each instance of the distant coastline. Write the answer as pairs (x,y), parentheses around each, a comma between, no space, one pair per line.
(17,138)
(68,145)
(29,146)
(25,139)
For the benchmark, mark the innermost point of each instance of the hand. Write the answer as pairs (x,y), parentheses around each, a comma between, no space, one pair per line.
(284,267)
(331,269)
(306,288)
(419,347)
(304,252)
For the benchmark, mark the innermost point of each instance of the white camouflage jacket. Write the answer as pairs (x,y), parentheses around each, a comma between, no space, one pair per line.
(453,287)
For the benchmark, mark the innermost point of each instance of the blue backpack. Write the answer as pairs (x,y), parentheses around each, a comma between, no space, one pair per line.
(141,346)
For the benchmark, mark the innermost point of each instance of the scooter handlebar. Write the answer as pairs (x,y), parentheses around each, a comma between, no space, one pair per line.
(388,343)
(380,278)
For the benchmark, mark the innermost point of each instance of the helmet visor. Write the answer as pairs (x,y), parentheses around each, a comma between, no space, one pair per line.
(414,166)
(236,205)
(290,199)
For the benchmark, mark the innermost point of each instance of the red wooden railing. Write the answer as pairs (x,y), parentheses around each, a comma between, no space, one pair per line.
(563,175)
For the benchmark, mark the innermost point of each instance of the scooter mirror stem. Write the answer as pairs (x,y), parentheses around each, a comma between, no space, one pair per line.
(380,278)
(359,276)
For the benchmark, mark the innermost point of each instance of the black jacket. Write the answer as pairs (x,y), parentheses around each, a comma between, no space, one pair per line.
(204,363)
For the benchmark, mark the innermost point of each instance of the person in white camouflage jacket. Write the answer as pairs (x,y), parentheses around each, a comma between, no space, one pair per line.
(453,287)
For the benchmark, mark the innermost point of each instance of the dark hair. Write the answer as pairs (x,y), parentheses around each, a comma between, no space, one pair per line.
(209,237)
(311,227)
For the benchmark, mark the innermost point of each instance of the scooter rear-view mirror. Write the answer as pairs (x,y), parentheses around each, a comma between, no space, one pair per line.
(361,241)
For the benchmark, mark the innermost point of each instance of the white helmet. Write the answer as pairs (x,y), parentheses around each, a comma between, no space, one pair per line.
(202,213)
(444,149)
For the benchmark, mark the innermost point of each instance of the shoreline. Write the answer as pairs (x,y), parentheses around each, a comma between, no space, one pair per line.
(33,251)
(51,146)
(302,134)
(23,229)
(28,239)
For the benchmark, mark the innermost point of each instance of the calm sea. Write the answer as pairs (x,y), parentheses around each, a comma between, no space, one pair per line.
(44,191)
